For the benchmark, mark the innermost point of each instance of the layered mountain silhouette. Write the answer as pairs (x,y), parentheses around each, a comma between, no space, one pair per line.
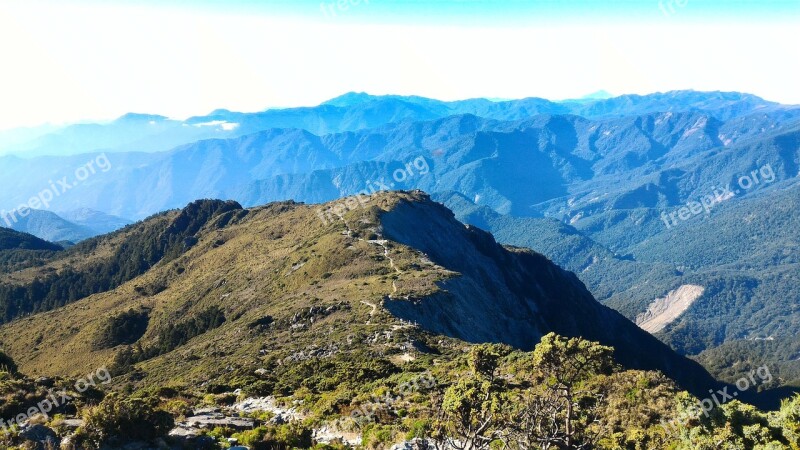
(629,161)
(47,225)
(351,112)
(597,185)
(68,226)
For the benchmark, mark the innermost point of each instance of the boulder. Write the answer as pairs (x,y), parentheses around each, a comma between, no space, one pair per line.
(40,436)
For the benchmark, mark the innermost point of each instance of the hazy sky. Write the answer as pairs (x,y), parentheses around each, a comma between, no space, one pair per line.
(67,61)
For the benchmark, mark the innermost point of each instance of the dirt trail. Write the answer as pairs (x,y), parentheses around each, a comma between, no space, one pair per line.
(382,243)
(371,313)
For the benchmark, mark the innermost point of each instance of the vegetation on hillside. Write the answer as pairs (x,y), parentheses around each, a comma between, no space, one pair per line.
(13,240)
(568,393)
(274,303)
(20,250)
(740,254)
(731,358)
(142,248)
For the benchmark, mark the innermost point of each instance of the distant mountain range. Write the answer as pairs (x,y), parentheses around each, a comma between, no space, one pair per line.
(350,112)
(572,157)
(68,226)
(676,209)
(97,222)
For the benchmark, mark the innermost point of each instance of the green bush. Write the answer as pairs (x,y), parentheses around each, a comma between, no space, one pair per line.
(118,420)
(7,364)
(281,437)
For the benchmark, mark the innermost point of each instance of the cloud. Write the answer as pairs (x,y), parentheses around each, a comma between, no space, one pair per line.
(222,124)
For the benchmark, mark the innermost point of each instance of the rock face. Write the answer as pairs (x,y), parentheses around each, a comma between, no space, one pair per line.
(514,296)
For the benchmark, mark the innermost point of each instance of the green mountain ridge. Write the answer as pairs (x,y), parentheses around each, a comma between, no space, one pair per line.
(164,284)
(282,329)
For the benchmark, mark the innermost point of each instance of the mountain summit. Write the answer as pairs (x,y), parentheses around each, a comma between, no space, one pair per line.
(396,269)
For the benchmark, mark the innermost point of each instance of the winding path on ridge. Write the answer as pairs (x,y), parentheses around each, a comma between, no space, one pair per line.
(382,243)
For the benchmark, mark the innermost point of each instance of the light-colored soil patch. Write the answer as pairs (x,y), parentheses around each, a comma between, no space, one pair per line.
(402,359)
(665,310)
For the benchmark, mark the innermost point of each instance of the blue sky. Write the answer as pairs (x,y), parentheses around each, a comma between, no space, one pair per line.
(505,11)
(93,60)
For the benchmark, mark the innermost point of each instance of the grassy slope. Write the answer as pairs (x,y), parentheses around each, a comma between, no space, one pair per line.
(281,260)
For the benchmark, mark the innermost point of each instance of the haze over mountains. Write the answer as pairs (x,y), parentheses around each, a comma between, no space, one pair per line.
(585,182)
(67,226)
(349,112)
(282,150)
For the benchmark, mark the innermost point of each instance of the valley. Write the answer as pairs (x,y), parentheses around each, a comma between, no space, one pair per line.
(540,225)
(266,303)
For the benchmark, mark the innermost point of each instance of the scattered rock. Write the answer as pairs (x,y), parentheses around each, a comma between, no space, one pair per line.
(41,436)
(206,411)
(414,444)
(45,381)
(72,424)
(268,404)
(218,420)
(279,419)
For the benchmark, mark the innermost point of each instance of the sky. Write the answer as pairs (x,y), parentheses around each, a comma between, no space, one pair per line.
(68,61)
